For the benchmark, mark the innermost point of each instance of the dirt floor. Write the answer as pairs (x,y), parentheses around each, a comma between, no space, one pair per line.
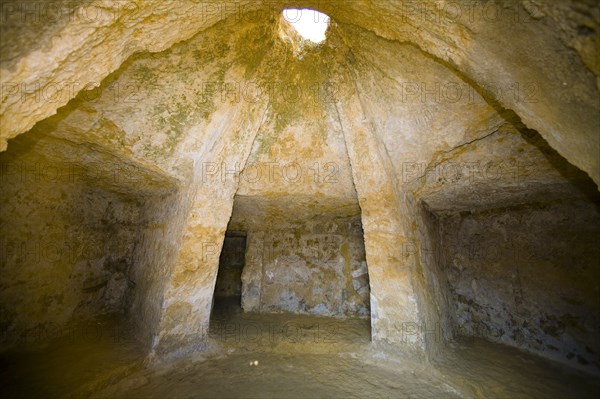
(279,356)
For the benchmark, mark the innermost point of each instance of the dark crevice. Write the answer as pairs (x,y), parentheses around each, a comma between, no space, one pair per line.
(471,142)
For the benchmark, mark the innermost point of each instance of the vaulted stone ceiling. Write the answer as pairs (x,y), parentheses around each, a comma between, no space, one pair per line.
(475,40)
(186,102)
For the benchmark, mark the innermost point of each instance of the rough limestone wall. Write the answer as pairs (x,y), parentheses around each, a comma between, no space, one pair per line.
(416,108)
(298,177)
(160,229)
(408,315)
(66,244)
(219,157)
(427,250)
(172,118)
(189,291)
(316,268)
(395,316)
(419,108)
(88,31)
(532,57)
(528,277)
(503,168)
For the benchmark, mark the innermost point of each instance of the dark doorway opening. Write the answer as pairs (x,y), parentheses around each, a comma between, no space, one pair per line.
(228,287)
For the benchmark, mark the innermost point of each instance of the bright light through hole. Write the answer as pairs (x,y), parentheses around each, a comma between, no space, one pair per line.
(310,24)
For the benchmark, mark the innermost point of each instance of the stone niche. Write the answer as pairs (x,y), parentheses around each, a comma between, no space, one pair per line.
(527,277)
(315,266)
(69,224)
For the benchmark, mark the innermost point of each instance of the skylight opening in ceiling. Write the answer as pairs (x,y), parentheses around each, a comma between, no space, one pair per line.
(309,24)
